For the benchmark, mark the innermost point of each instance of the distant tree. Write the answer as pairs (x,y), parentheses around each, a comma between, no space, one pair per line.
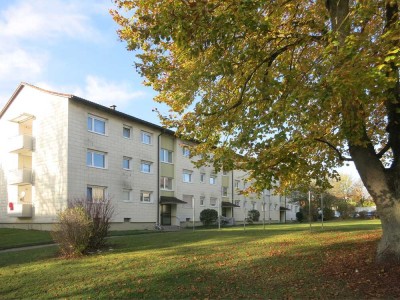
(296,87)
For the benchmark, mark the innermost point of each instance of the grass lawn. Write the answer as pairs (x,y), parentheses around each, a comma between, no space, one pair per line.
(12,238)
(283,261)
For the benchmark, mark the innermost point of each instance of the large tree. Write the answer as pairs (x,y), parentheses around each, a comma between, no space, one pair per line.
(295,87)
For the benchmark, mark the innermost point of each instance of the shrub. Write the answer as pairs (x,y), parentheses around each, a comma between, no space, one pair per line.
(73,231)
(300,216)
(254,215)
(208,216)
(90,220)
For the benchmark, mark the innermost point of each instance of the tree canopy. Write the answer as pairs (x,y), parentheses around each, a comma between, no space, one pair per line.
(295,87)
(269,80)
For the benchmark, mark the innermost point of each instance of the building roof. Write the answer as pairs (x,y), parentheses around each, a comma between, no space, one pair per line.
(171,200)
(228,204)
(85,102)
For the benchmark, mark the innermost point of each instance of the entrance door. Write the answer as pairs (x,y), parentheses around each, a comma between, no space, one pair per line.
(166,214)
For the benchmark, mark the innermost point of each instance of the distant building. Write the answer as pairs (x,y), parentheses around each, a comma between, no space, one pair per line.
(55,147)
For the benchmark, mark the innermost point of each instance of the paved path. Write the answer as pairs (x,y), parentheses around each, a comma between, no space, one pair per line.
(26,248)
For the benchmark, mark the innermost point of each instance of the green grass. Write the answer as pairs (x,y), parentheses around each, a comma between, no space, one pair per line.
(13,238)
(283,261)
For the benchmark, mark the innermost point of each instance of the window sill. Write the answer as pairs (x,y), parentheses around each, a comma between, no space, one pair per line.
(94,167)
(98,133)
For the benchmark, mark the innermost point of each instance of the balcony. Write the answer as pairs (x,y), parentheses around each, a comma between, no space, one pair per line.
(19,210)
(22,144)
(20,177)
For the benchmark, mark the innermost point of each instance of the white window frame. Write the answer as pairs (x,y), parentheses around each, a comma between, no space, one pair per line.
(146,163)
(202,201)
(186,151)
(165,155)
(92,161)
(225,191)
(237,182)
(123,131)
(237,202)
(129,160)
(148,135)
(188,173)
(93,188)
(203,177)
(92,123)
(129,191)
(150,197)
(213,179)
(216,200)
(163,179)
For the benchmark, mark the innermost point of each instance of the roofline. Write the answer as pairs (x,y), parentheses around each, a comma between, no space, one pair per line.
(86,102)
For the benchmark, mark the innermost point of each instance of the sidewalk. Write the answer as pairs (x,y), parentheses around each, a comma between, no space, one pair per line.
(26,248)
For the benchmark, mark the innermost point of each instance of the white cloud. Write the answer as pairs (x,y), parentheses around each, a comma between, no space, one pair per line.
(18,61)
(109,93)
(102,91)
(44,20)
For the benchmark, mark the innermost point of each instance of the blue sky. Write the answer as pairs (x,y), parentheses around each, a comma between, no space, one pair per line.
(70,46)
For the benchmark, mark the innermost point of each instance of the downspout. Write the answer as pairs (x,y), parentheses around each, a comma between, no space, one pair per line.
(158,175)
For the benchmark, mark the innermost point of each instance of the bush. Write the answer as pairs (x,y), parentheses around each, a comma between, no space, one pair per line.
(299,216)
(83,227)
(208,216)
(73,232)
(254,215)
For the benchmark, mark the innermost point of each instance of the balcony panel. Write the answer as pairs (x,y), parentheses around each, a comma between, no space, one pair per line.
(20,177)
(22,144)
(19,210)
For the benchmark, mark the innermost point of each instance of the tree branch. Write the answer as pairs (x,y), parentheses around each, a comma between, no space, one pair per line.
(383,151)
(341,157)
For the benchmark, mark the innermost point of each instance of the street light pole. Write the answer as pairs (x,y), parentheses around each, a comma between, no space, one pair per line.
(322,211)
(269,207)
(309,207)
(263,203)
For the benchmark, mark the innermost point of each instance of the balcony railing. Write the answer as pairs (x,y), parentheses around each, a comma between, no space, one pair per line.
(20,177)
(21,144)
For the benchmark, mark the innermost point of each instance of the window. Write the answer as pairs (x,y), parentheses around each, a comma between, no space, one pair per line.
(96,124)
(145,166)
(126,220)
(213,179)
(224,191)
(237,202)
(189,201)
(202,200)
(166,183)
(253,205)
(145,197)
(202,177)
(126,195)
(213,201)
(166,156)
(146,137)
(126,132)
(185,151)
(187,176)
(225,173)
(96,159)
(96,193)
(126,163)
(237,184)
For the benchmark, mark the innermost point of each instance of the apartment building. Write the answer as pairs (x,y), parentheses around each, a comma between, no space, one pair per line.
(55,147)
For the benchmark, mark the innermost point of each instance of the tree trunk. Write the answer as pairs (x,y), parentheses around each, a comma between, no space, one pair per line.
(380,185)
(389,245)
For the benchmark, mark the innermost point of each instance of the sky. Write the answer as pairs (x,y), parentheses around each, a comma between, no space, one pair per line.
(71,46)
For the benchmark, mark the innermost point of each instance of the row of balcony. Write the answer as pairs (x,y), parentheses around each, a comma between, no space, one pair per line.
(20,177)
(21,144)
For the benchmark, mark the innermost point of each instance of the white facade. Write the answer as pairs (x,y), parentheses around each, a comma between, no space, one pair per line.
(55,147)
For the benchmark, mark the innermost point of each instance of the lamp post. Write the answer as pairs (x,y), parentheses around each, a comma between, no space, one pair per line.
(263,198)
(193,212)
(269,207)
(309,207)
(322,211)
